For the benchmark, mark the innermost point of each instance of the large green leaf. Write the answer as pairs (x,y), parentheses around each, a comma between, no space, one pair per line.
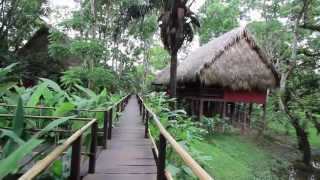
(34,100)
(17,127)
(57,168)
(5,71)
(6,86)
(52,84)
(13,136)
(89,92)
(63,109)
(53,125)
(11,164)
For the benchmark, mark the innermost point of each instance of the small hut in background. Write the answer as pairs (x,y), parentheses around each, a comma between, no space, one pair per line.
(38,63)
(226,76)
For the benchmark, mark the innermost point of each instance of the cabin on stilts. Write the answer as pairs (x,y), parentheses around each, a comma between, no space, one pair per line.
(226,76)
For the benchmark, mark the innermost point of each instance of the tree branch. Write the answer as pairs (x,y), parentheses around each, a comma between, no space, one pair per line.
(310,27)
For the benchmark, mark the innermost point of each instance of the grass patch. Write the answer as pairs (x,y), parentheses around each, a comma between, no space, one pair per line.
(235,157)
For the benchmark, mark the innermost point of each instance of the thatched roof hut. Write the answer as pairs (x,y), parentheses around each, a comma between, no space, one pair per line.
(37,61)
(232,61)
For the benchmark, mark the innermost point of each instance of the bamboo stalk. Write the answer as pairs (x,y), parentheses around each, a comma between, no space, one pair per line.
(195,167)
(48,160)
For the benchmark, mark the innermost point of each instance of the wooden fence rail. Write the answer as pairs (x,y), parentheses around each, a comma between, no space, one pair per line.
(160,150)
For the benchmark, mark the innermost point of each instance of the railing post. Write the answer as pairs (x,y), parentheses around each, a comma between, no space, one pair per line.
(76,159)
(146,126)
(93,148)
(110,124)
(105,129)
(140,106)
(143,113)
(162,158)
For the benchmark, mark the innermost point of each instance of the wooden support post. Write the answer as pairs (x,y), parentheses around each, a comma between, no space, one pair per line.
(146,125)
(76,160)
(233,113)
(264,112)
(93,148)
(140,106)
(238,113)
(110,124)
(244,121)
(105,129)
(117,110)
(200,109)
(143,113)
(224,109)
(249,114)
(191,107)
(162,158)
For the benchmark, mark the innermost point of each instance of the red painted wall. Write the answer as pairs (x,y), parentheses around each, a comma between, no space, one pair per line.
(255,96)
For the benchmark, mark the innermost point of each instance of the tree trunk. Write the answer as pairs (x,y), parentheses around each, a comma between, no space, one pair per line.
(173,77)
(303,142)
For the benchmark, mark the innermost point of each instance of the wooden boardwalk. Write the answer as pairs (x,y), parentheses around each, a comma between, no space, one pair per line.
(129,155)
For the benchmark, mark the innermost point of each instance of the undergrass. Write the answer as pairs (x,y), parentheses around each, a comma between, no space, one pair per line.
(235,157)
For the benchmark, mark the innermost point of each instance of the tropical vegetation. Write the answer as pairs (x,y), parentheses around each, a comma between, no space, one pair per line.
(103,50)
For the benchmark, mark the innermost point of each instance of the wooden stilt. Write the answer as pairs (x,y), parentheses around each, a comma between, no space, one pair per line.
(224,109)
(264,112)
(200,109)
(238,113)
(249,114)
(245,115)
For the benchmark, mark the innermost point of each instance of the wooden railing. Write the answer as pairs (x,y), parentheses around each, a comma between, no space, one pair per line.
(75,141)
(160,150)
(107,118)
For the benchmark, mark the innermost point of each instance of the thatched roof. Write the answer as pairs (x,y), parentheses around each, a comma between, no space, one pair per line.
(232,60)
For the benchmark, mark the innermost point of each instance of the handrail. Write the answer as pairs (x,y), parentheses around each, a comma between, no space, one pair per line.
(166,136)
(48,160)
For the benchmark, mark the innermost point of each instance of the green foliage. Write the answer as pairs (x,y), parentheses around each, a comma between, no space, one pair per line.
(184,130)
(58,47)
(218,17)
(159,58)
(5,83)
(86,49)
(99,77)
(19,19)
(5,71)
(215,125)
(17,129)
(12,163)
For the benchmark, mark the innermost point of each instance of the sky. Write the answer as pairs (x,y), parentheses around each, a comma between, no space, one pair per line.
(63,3)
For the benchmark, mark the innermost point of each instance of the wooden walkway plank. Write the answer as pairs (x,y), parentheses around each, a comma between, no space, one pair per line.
(129,155)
